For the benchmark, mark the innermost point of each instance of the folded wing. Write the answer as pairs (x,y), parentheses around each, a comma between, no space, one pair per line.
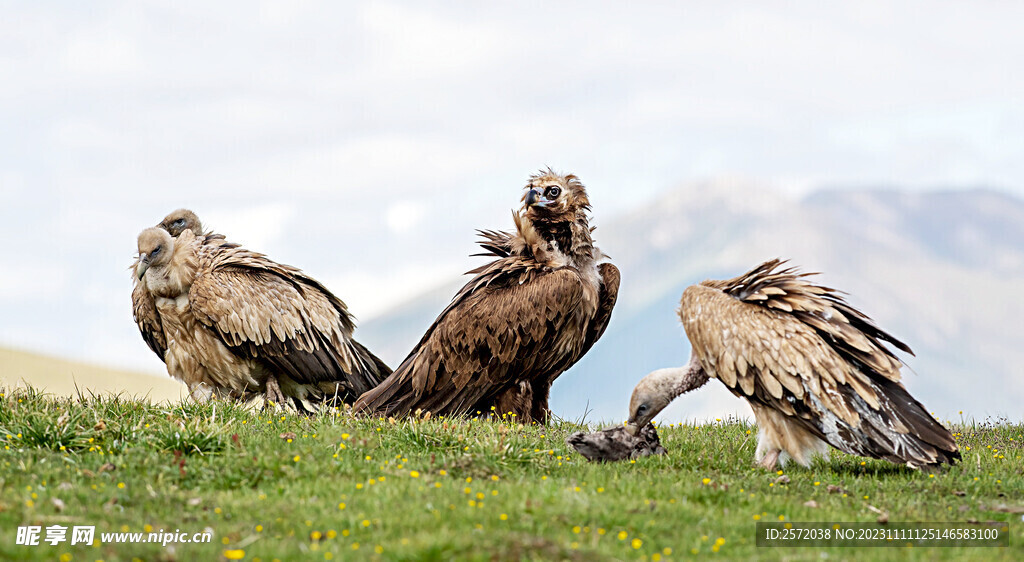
(145,314)
(502,325)
(274,313)
(784,343)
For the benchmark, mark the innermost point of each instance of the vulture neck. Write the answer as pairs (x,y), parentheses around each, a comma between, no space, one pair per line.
(678,380)
(557,242)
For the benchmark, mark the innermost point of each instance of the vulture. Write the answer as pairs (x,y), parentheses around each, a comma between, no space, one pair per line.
(522,320)
(233,323)
(815,371)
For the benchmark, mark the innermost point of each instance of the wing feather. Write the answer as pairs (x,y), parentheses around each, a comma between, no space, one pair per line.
(799,349)
(607,297)
(273,312)
(148,319)
(496,329)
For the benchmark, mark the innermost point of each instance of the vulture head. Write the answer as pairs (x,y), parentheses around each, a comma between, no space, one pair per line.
(155,248)
(554,197)
(651,395)
(180,221)
(658,389)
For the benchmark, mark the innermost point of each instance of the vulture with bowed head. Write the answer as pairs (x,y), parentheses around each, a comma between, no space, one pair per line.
(815,371)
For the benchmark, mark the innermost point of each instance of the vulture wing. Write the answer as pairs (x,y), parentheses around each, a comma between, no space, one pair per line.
(274,313)
(505,324)
(146,316)
(607,296)
(783,343)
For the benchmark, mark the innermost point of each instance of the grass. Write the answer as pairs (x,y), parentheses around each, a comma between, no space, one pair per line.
(280,486)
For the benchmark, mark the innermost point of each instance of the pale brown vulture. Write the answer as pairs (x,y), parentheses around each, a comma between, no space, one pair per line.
(233,323)
(815,371)
(520,322)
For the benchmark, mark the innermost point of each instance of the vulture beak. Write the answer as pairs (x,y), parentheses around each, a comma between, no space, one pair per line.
(140,269)
(535,199)
(632,428)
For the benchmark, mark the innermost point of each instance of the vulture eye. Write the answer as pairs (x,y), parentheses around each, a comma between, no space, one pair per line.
(179,222)
(155,251)
(552,192)
(641,409)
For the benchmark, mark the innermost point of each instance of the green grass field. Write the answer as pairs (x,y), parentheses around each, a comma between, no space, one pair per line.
(280,486)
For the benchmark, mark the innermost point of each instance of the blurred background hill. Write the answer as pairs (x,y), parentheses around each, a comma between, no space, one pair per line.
(61,377)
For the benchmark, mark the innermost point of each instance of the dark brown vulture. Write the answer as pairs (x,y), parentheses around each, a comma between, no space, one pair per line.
(815,371)
(520,322)
(233,323)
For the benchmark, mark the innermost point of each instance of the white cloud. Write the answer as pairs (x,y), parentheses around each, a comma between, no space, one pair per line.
(105,45)
(256,227)
(101,52)
(87,134)
(404,216)
(409,43)
(368,294)
(21,282)
(283,12)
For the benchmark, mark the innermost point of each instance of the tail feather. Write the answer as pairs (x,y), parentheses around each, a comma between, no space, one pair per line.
(396,396)
(928,440)
(385,397)
(369,372)
(900,431)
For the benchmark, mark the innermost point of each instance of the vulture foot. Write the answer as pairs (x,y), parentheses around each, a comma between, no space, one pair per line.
(770,460)
(273,393)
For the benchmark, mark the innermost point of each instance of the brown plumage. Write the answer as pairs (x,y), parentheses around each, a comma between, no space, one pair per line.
(236,324)
(143,303)
(814,369)
(520,322)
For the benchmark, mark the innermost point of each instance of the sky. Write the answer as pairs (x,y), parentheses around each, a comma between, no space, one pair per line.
(365,141)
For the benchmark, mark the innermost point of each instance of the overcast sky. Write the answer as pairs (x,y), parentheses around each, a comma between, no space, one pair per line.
(365,141)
